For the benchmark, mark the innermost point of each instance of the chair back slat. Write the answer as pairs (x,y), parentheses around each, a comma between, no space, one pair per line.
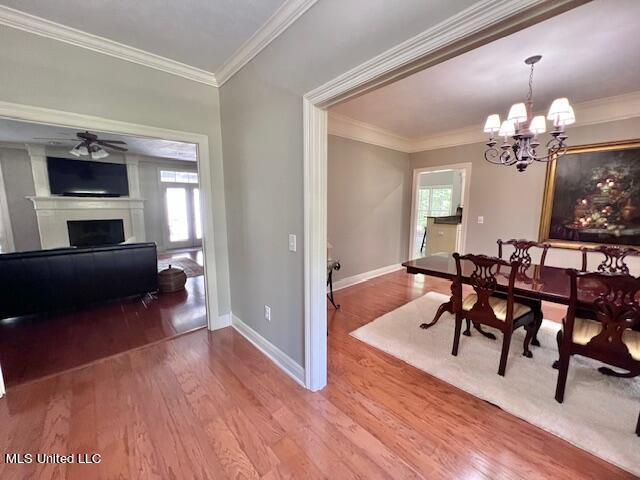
(521,252)
(614,258)
(616,307)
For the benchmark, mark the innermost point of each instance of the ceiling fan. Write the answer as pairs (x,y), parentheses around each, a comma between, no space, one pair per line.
(91,145)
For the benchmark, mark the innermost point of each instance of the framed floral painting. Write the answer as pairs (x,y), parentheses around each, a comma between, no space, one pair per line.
(592,196)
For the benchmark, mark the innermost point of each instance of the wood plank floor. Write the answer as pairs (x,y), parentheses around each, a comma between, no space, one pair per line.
(209,405)
(37,346)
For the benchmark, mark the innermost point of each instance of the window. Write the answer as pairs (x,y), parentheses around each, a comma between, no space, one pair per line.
(440,201)
(169,176)
(434,202)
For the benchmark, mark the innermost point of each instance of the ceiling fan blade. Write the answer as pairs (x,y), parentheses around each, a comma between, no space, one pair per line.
(114,141)
(113,147)
(87,136)
(58,139)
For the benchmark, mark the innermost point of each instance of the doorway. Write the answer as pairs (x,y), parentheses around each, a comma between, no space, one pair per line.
(138,213)
(181,194)
(438,220)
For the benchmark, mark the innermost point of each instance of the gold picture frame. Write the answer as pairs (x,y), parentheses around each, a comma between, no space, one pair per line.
(549,189)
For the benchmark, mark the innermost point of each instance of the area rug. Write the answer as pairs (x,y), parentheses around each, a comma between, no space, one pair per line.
(190,267)
(598,415)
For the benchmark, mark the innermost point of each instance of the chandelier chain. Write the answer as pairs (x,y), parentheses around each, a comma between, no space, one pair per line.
(530,94)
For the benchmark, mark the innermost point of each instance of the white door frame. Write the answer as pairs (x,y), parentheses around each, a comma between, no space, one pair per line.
(28,113)
(481,23)
(461,241)
(5,221)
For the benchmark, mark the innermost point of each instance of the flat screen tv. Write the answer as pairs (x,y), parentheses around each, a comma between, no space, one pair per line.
(81,178)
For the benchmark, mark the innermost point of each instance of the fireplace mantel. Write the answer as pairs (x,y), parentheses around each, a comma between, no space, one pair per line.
(53,212)
(54,202)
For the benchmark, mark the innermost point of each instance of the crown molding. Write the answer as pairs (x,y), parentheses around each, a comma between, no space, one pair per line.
(485,15)
(347,127)
(593,112)
(288,13)
(46,28)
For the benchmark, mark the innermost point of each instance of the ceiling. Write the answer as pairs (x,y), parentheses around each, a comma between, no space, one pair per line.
(12,131)
(199,33)
(588,53)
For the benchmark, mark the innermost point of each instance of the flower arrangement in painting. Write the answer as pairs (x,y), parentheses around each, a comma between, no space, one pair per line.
(607,202)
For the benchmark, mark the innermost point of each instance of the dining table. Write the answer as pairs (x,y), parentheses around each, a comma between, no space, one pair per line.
(534,282)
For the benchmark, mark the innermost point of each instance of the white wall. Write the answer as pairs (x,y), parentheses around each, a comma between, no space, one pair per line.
(510,201)
(46,73)
(18,183)
(369,205)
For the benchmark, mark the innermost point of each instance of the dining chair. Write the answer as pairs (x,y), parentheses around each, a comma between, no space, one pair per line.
(614,258)
(606,332)
(521,250)
(484,308)
(521,253)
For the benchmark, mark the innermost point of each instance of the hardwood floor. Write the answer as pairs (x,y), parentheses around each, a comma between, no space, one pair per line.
(36,346)
(209,405)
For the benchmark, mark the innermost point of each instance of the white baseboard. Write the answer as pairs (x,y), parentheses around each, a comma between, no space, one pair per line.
(363,277)
(277,356)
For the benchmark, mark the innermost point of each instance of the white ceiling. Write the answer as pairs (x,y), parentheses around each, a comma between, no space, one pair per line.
(199,33)
(589,52)
(12,131)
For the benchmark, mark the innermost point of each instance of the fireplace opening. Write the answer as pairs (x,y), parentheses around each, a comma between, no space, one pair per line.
(92,233)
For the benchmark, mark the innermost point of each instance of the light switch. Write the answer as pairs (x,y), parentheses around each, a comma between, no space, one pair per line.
(292,242)
(480,219)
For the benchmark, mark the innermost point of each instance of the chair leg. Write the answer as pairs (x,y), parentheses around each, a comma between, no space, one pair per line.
(456,335)
(538,323)
(506,343)
(530,329)
(563,369)
(638,427)
(467,332)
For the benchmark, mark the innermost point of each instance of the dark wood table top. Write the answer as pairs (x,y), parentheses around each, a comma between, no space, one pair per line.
(540,283)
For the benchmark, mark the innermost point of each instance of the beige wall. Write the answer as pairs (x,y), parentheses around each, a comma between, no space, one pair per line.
(46,73)
(262,130)
(369,205)
(509,201)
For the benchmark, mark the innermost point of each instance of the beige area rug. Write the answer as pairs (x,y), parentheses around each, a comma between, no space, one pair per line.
(190,267)
(599,413)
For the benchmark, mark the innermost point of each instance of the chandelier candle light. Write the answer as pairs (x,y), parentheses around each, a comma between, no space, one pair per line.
(523,128)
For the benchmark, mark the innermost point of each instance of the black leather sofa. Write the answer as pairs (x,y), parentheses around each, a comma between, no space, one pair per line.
(47,281)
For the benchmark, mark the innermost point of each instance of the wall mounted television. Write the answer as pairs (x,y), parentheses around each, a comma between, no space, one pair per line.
(82,178)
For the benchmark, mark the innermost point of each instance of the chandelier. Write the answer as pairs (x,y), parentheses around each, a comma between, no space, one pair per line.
(521,129)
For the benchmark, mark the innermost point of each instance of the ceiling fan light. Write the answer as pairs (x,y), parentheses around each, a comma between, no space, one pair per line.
(98,154)
(82,150)
(507,129)
(517,113)
(492,124)
(74,151)
(538,125)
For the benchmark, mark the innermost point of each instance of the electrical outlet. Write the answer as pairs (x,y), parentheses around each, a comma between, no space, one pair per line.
(267,313)
(292,242)
(480,219)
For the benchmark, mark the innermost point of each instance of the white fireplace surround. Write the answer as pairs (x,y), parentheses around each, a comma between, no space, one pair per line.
(53,211)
